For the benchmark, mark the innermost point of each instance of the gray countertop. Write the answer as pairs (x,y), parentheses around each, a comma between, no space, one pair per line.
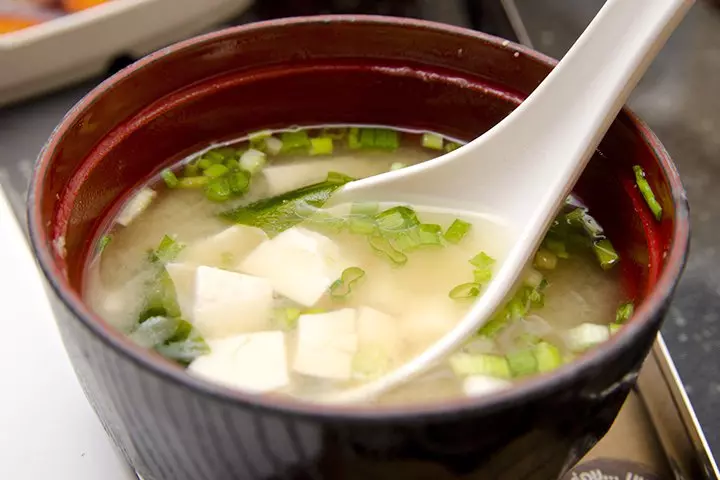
(678,98)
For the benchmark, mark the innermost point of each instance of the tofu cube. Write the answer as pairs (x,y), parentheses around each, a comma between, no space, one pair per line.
(479,385)
(256,362)
(300,263)
(226,249)
(228,303)
(326,344)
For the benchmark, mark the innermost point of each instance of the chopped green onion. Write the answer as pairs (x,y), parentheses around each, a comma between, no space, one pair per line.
(167,250)
(370,362)
(342,287)
(354,138)
(210,158)
(396,219)
(362,225)
(522,363)
(482,260)
(367,137)
(483,271)
(191,170)
(518,307)
(104,242)
(193,182)
(253,161)
(647,192)
(432,141)
(624,312)
(548,357)
(287,318)
(215,171)
(397,166)
(232,164)
(450,146)
(614,328)
(170,178)
(277,214)
(338,178)
(545,259)
(557,247)
(465,364)
(605,253)
(239,182)
(273,145)
(533,278)
(406,239)
(294,140)
(482,276)
(366,208)
(321,146)
(225,153)
(259,135)
(382,247)
(457,231)
(430,234)
(581,218)
(336,133)
(585,336)
(386,139)
(496,323)
(218,190)
(465,290)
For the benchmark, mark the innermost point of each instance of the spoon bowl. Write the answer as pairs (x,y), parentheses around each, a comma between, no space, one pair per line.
(522,169)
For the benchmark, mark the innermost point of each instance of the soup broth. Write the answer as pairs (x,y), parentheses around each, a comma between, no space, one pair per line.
(228,265)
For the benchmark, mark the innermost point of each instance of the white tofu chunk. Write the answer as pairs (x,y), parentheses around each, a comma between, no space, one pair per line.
(299,173)
(479,385)
(136,206)
(256,362)
(375,329)
(228,303)
(226,249)
(326,344)
(183,278)
(301,264)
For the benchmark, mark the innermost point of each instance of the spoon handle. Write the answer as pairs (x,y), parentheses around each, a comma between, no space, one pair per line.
(534,156)
(552,135)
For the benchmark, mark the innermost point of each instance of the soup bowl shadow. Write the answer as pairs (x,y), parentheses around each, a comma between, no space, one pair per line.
(319,70)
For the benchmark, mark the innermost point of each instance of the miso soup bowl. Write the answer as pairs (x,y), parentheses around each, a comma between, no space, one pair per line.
(336,69)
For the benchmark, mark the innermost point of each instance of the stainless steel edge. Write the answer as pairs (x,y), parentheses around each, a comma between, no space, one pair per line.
(673,417)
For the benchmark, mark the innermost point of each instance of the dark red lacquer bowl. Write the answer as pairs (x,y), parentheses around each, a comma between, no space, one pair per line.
(318,70)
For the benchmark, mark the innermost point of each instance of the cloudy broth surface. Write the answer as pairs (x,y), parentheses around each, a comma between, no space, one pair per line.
(228,266)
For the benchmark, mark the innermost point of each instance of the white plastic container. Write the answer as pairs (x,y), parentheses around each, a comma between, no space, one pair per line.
(77,46)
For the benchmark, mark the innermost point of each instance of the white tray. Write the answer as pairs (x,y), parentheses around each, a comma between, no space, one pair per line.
(81,45)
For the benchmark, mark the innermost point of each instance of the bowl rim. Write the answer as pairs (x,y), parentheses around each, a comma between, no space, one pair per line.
(524,392)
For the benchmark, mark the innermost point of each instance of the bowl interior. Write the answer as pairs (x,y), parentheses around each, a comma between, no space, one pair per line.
(312,71)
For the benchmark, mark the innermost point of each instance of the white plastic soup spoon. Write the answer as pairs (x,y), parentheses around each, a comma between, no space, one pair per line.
(522,169)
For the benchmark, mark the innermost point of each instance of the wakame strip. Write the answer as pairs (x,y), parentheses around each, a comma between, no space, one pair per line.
(276,214)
